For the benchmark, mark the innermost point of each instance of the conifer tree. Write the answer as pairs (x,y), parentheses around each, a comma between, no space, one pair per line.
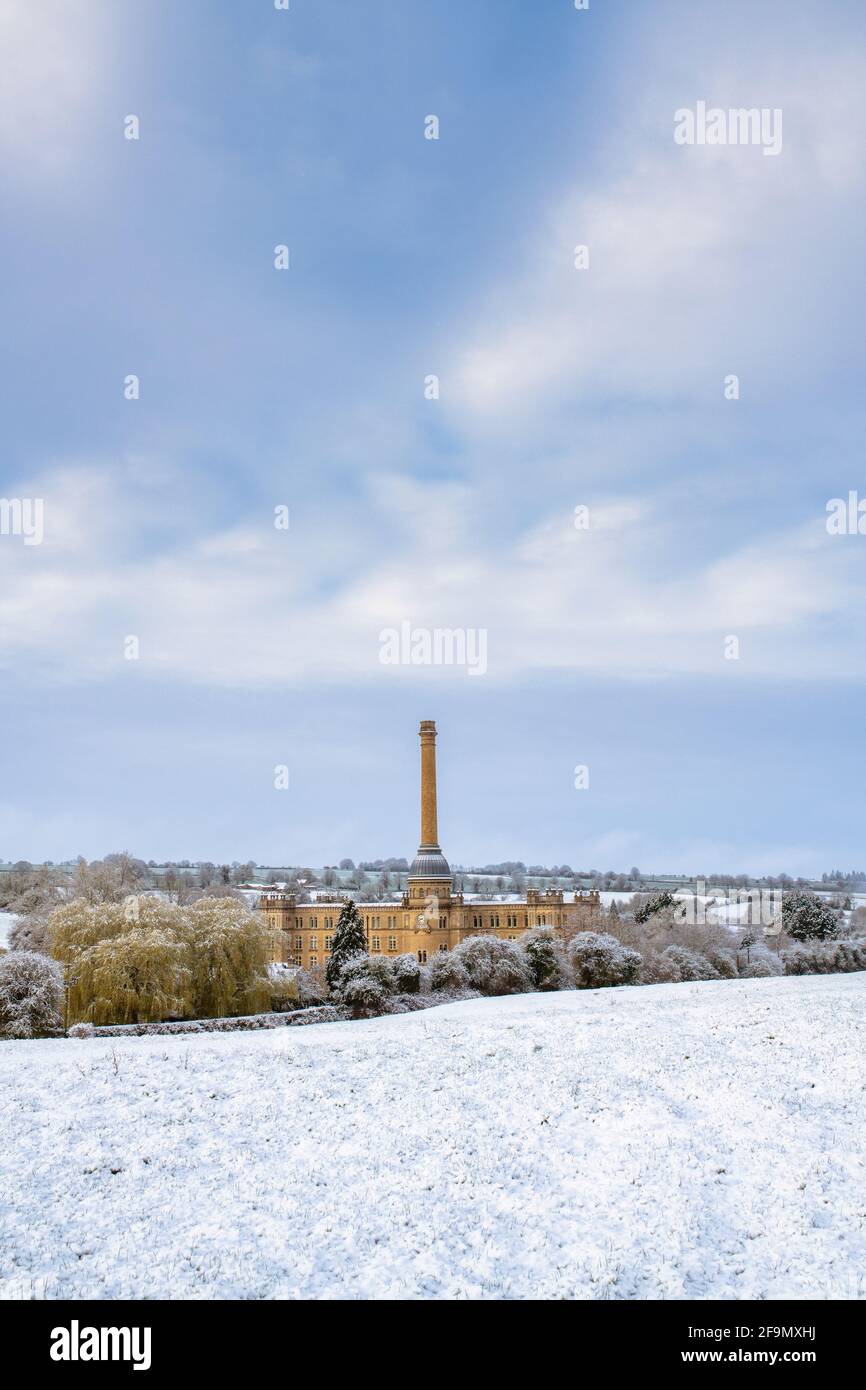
(350,940)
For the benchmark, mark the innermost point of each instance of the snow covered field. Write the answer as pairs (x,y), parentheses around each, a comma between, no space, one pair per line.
(697,1140)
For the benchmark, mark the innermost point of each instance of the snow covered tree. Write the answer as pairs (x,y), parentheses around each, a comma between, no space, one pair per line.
(545,958)
(654,905)
(31,934)
(761,964)
(825,957)
(723,961)
(228,951)
(448,973)
(31,993)
(689,965)
(139,977)
(146,959)
(806,917)
(78,925)
(108,880)
(350,940)
(364,985)
(599,961)
(494,966)
(407,974)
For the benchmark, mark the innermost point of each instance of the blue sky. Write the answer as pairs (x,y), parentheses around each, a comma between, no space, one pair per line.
(558,388)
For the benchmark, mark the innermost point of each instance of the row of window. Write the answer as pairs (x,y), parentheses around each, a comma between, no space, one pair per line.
(478,922)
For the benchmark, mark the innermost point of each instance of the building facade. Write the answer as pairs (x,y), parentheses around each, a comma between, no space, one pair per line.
(429,916)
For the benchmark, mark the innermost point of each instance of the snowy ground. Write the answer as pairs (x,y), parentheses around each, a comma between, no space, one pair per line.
(669,1142)
(7,922)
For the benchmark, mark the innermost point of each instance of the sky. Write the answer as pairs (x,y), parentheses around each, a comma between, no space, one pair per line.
(219,558)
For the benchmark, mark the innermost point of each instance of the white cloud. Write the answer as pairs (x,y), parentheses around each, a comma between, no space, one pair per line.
(687,246)
(248,605)
(55,55)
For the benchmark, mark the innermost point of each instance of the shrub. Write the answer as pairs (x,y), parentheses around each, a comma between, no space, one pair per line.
(545,958)
(757,969)
(723,961)
(599,960)
(365,984)
(761,964)
(81,1030)
(825,958)
(806,917)
(658,970)
(689,965)
(312,987)
(494,966)
(283,990)
(849,956)
(447,972)
(407,974)
(31,992)
(31,934)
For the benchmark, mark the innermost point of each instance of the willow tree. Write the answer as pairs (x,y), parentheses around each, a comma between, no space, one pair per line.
(228,953)
(76,926)
(146,959)
(138,977)
(124,962)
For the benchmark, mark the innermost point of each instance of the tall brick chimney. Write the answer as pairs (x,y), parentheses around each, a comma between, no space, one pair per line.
(429,825)
(429,874)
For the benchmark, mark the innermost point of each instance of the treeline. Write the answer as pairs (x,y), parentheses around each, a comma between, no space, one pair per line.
(660,948)
(143,959)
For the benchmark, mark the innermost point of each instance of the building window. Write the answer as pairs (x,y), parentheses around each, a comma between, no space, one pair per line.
(422,957)
(299,942)
(377,943)
(314,922)
(443,946)
(298,960)
(314,960)
(314,943)
(327,943)
(392,943)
